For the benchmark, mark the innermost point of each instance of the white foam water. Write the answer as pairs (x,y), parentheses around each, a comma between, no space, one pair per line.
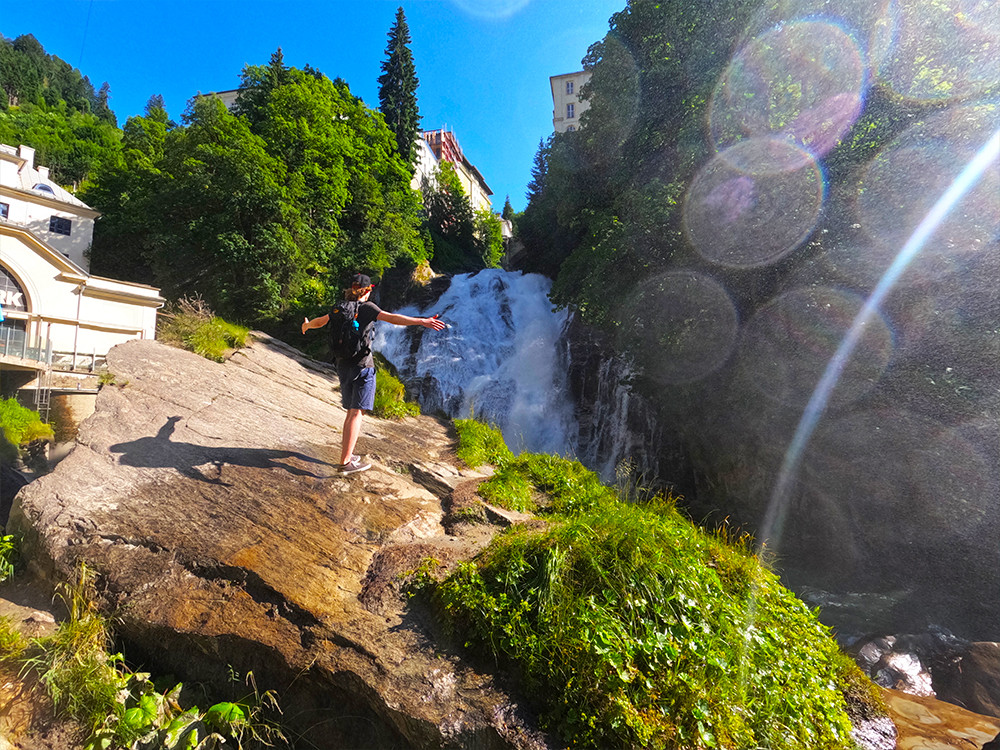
(502,360)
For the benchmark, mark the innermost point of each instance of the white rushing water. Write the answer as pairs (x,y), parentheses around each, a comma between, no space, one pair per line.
(502,360)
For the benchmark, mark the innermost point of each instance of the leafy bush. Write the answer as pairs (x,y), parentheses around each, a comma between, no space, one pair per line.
(190,325)
(20,426)
(631,627)
(390,394)
(481,444)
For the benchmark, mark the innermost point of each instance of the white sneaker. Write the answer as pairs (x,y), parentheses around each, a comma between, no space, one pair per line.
(354,466)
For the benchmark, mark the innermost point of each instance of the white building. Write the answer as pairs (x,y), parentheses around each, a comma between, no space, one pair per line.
(567,106)
(57,321)
(435,146)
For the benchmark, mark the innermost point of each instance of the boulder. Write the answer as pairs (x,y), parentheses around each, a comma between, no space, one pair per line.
(205,498)
(935,663)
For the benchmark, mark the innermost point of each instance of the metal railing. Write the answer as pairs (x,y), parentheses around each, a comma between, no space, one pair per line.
(15,343)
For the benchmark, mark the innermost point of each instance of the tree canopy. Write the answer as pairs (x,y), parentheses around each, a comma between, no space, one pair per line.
(464,239)
(263,210)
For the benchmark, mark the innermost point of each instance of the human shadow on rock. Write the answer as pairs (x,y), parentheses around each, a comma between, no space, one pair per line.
(190,459)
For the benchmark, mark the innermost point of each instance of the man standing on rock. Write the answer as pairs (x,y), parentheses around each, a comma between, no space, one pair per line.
(357,372)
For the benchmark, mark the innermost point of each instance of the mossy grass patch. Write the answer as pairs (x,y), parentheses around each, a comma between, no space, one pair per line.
(630,626)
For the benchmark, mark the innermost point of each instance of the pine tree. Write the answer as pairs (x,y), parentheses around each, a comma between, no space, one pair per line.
(397,94)
(508,210)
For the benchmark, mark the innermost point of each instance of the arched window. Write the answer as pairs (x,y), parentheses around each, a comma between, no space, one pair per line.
(43,188)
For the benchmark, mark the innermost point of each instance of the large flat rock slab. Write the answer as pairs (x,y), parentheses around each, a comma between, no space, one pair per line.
(206,498)
(925,723)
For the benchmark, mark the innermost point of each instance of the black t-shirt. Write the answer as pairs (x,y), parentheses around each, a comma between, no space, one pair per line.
(368,313)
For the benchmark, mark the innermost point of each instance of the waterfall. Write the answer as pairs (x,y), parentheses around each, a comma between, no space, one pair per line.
(503,359)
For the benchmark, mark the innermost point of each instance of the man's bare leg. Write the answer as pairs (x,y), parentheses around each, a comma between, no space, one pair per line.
(352,430)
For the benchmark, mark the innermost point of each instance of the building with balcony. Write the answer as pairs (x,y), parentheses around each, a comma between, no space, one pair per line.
(57,321)
(567,106)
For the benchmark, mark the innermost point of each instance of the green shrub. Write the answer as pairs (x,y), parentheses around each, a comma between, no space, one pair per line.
(216,338)
(390,395)
(12,642)
(21,425)
(480,444)
(631,627)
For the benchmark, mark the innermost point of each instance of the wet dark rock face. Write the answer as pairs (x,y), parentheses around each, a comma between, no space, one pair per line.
(205,498)
(616,423)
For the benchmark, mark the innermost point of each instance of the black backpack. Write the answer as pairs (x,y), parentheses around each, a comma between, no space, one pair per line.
(347,339)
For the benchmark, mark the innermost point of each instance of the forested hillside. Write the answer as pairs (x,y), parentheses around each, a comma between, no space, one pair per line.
(49,105)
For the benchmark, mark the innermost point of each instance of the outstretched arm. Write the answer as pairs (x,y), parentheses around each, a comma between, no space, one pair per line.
(315,323)
(406,320)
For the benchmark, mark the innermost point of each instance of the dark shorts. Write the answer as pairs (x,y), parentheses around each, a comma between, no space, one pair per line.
(357,386)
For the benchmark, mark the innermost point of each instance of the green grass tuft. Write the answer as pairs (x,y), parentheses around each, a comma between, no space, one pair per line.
(120,708)
(481,444)
(190,324)
(216,338)
(20,424)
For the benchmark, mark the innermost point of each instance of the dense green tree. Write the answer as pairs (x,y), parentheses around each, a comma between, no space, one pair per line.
(68,142)
(344,174)
(450,221)
(488,237)
(262,211)
(464,239)
(226,228)
(126,188)
(102,106)
(397,93)
(257,82)
(608,195)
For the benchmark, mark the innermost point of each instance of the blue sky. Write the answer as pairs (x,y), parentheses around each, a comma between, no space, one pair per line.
(483,65)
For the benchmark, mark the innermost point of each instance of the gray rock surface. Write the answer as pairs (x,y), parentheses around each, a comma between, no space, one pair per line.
(206,499)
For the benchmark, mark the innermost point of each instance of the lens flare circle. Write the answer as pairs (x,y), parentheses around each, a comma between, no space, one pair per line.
(754,203)
(493,10)
(943,51)
(803,81)
(785,347)
(903,181)
(686,323)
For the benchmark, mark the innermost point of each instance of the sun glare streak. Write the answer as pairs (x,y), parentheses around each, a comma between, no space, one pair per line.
(771,528)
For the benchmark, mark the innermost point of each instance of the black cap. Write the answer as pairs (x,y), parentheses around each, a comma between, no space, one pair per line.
(361,281)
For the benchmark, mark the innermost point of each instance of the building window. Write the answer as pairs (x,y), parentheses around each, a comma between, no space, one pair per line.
(570,128)
(570,111)
(59,225)
(569,87)
(4,210)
